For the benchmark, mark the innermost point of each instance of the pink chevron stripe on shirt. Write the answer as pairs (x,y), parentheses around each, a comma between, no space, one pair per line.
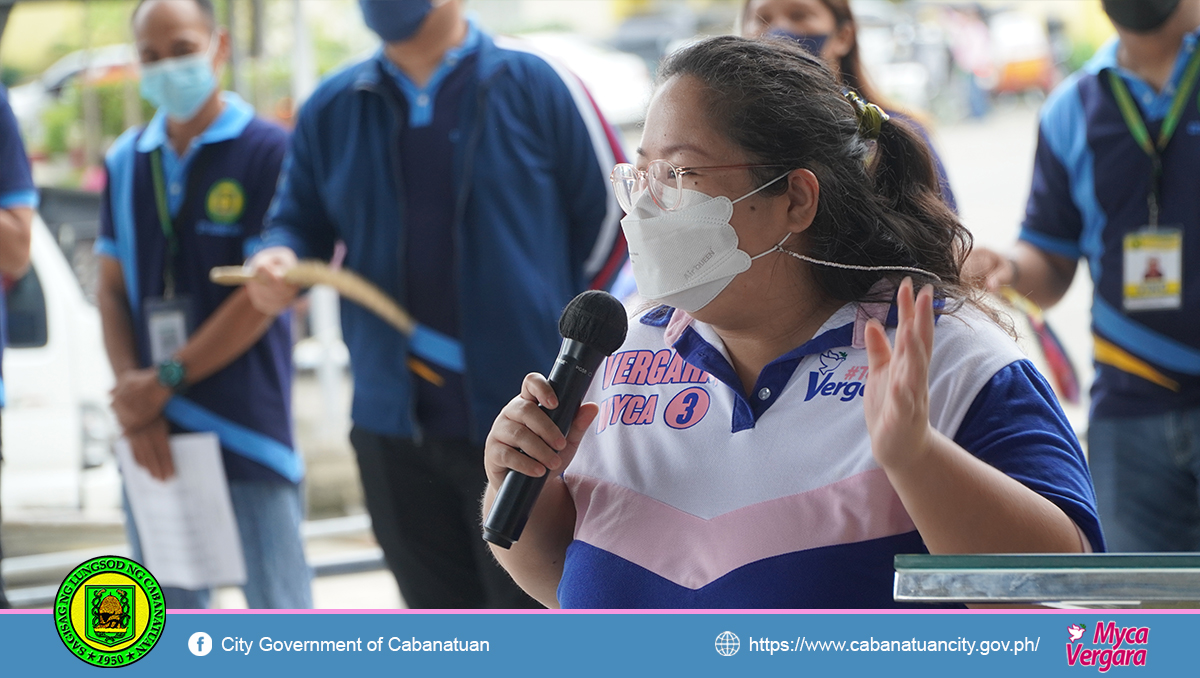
(693,552)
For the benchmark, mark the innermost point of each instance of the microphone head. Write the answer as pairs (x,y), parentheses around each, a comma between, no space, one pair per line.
(595,319)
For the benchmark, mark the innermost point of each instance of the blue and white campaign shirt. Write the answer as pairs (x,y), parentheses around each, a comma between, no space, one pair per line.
(1088,193)
(690,493)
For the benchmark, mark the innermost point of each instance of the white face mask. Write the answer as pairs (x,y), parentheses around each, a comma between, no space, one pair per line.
(686,257)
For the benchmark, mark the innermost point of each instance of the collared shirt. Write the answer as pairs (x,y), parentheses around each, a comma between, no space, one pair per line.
(231,170)
(1090,184)
(691,493)
(229,125)
(421,99)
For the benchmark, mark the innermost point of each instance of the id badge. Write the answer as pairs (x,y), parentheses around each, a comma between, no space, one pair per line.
(1153,279)
(169,322)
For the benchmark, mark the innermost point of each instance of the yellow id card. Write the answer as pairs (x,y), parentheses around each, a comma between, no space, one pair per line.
(1153,269)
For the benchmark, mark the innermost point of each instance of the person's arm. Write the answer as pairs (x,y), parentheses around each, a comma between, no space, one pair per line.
(1041,265)
(1042,276)
(228,333)
(139,398)
(524,439)
(115,317)
(149,442)
(585,151)
(18,196)
(959,503)
(16,226)
(297,222)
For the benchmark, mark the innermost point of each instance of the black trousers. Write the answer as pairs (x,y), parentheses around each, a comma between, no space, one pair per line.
(424,501)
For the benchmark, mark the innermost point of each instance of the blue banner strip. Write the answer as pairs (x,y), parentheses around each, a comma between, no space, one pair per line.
(439,349)
(249,443)
(798,643)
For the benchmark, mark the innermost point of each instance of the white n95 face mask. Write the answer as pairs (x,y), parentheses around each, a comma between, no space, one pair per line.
(686,257)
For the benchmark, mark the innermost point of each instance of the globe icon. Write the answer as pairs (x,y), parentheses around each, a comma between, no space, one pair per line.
(728,644)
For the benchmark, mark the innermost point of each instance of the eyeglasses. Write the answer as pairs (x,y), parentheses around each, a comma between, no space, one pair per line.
(664,180)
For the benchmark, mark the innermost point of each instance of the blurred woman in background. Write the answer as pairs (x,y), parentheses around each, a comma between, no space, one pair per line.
(826,29)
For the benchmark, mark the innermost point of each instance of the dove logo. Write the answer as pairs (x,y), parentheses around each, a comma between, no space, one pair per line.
(830,361)
(1111,646)
(821,383)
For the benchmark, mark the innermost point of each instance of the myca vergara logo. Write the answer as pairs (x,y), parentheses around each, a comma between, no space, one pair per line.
(1112,646)
(110,611)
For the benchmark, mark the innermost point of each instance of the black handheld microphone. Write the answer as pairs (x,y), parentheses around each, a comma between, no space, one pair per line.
(592,326)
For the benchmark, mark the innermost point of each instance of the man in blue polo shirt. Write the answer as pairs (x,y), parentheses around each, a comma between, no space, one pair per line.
(18,200)
(187,193)
(468,179)
(1115,181)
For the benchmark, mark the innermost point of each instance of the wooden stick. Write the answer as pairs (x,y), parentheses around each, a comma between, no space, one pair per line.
(351,286)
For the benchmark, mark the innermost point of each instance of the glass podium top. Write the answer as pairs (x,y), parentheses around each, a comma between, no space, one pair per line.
(1085,580)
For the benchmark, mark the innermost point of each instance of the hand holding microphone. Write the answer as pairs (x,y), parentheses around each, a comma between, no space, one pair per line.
(526,438)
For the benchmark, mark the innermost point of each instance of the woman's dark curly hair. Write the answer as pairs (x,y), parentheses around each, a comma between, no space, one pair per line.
(880,202)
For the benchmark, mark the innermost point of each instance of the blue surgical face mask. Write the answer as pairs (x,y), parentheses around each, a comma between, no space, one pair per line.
(395,20)
(811,43)
(181,85)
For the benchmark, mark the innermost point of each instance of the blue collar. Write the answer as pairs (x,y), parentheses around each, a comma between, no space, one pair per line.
(698,350)
(367,75)
(450,59)
(1154,105)
(421,99)
(229,125)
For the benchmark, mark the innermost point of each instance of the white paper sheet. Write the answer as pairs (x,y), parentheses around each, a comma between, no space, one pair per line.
(186,526)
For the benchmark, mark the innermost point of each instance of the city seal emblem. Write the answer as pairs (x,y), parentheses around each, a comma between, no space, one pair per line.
(109,611)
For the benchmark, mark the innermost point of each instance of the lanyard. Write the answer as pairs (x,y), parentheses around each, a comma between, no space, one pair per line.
(1137,125)
(196,174)
(168,225)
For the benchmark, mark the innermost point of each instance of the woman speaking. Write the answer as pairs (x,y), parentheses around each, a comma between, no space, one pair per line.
(791,414)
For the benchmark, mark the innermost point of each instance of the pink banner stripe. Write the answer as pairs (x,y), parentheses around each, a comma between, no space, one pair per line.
(1031,609)
(693,552)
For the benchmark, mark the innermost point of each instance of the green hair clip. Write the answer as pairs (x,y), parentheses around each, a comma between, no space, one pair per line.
(870,117)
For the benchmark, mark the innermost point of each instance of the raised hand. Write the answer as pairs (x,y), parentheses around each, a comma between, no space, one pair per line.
(896,403)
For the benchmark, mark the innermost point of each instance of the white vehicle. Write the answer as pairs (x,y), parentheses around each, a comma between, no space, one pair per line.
(57,427)
(30,99)
(619,82)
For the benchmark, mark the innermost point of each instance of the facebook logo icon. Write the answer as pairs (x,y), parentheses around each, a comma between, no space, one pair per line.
(200,643)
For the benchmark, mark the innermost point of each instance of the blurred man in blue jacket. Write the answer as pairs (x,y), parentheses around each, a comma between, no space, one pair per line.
(468,178)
